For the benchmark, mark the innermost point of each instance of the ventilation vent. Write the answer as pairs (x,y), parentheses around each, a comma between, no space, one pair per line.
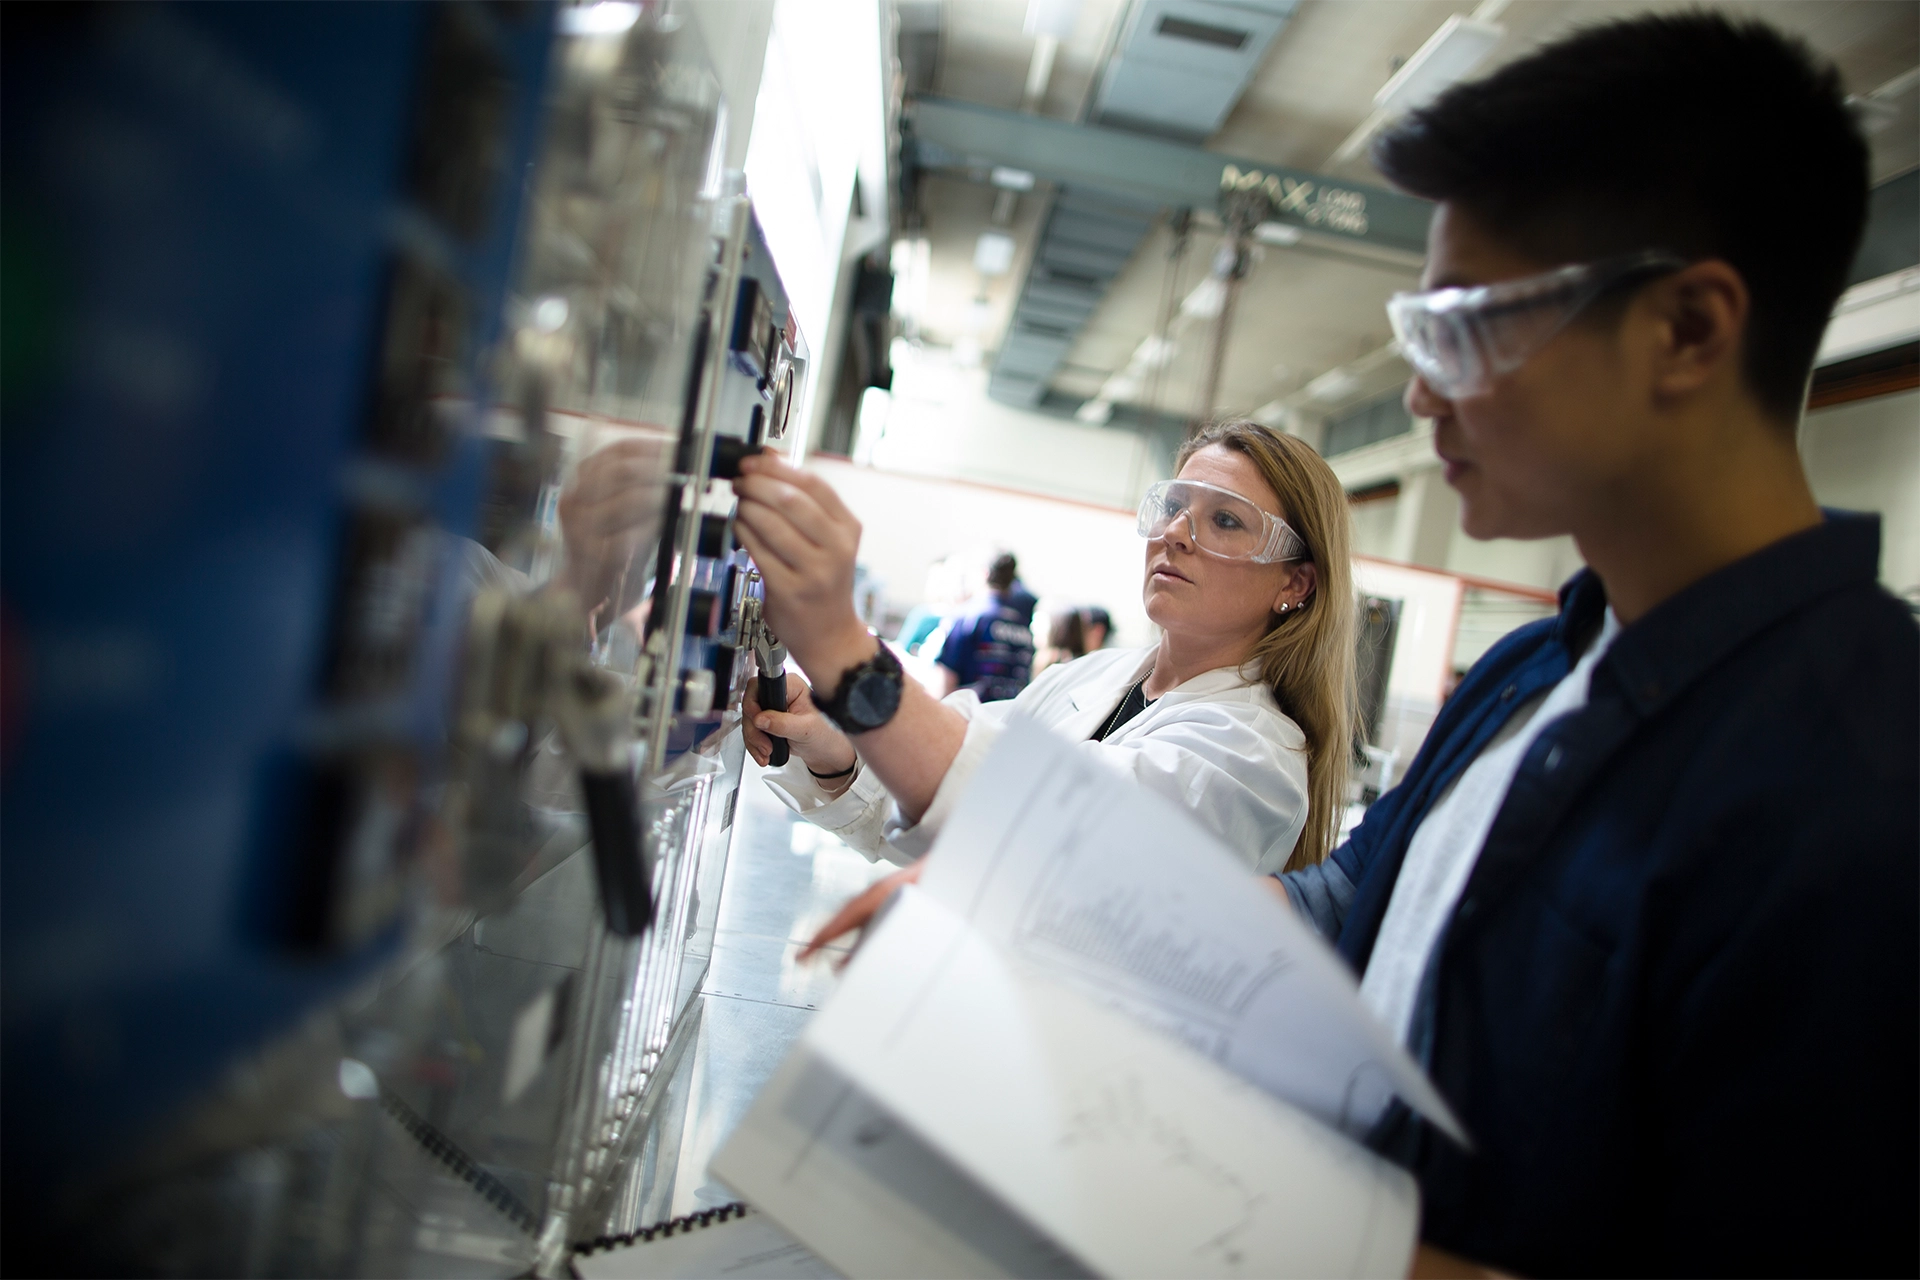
(1182,64)
(1203,33)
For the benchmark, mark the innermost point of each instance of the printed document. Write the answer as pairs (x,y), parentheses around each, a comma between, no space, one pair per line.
(1110,888)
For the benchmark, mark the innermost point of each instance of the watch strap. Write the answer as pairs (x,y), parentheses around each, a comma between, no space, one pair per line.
(868,693)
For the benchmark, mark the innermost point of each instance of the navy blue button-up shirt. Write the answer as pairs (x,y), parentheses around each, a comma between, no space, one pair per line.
(1678,1001)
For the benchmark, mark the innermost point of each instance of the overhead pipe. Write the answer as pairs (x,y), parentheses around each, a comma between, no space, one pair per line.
(1242,209)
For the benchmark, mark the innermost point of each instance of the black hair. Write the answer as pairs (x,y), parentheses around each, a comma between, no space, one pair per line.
(1681,133)
(1004,570)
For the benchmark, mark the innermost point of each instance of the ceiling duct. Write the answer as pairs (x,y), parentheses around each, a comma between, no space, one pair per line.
(1180,67)
(1087,239)
(1182,64)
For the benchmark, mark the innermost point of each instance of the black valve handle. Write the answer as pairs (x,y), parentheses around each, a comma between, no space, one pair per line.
(620,859)
(773,697)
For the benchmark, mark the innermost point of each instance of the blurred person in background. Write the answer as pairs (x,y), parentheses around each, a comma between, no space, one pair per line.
(989,648)
(1097,626)
(1242,712)
(1017,595)
(1066,640)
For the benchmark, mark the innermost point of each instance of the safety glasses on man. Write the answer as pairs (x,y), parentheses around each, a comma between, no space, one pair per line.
(1223,523)
(1460,340)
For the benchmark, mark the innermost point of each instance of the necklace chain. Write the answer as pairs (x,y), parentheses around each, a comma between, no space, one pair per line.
(1125,698)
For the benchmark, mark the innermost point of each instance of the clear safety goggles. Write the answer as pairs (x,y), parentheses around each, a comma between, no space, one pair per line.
(1460,340)
(1223,523)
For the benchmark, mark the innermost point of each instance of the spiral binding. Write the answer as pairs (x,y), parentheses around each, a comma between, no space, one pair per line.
(663,1230)
(501,1197)
(442,1148)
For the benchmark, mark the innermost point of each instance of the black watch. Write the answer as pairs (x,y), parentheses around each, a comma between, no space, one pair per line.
(868,695)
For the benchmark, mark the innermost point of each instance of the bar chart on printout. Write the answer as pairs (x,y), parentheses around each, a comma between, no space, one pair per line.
(1116,928)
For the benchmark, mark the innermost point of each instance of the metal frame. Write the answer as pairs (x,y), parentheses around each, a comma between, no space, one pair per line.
(959,135)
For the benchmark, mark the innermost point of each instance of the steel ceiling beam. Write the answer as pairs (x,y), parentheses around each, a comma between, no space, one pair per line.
(960,135)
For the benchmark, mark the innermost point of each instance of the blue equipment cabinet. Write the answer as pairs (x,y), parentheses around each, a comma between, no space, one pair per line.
(253,256)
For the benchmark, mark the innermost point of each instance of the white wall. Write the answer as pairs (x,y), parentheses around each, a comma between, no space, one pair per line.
(1421,526)
(940,422)
(1377,527)
(1545,563)
(735,33)
(1373,524)
(1070,552)
(1865,456)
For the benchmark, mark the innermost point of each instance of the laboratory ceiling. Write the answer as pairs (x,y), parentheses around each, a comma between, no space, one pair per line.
(1305,310)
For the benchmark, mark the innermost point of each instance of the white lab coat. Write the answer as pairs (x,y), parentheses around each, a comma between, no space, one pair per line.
(1217,746)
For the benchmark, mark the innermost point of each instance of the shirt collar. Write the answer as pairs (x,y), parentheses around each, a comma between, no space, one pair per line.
(1206,684)
(1688,634)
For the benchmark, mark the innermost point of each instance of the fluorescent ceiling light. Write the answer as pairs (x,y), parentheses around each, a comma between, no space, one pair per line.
(1205,301)
(1873,114)
(1051,18)
(1095,413)
(1279,233)
(1448,56)
(1334,384)
(1012,179)
(1152,352)
(607,18)
(1876,110)
(993,253)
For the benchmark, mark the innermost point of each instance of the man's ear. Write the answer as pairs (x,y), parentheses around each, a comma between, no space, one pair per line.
(1701,318)
(1299,587)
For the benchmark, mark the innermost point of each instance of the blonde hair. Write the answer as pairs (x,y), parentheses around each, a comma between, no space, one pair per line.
(1307,654)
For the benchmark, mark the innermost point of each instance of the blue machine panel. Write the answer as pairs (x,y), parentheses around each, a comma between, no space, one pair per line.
(253,257)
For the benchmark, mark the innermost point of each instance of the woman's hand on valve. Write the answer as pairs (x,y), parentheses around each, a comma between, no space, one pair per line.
(804,540)
(812,737)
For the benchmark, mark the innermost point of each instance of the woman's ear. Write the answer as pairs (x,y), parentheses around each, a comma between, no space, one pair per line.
(1299,586)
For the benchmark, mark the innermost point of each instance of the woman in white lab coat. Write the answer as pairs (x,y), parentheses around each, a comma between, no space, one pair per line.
(1241,713)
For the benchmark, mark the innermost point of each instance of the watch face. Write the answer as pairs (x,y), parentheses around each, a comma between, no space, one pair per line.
(874,698)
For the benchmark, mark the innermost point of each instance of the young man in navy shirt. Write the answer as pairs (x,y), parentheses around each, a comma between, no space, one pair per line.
(1645,903)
